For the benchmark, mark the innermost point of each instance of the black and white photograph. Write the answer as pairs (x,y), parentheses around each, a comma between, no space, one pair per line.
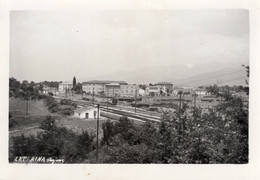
(129,87)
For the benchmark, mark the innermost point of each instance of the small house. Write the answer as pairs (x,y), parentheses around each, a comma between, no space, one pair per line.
(86,113)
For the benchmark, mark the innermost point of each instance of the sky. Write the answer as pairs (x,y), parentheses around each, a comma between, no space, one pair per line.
(57,45)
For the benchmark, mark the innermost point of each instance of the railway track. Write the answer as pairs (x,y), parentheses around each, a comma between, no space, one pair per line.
(140,115)
(113,110)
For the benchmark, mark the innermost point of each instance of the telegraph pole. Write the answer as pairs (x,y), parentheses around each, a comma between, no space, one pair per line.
(194,106)
(182,124)
(107,100)
(113,99)
(113,92)
(135,99)
(195,95)
(27,105)
(93,96)
(180,93)
(97,133)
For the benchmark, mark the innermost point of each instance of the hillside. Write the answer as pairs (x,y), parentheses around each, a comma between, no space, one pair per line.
(181,75)
(230,76)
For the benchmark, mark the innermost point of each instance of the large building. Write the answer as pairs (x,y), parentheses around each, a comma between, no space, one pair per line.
(168,86)
(152,91)
(47,89)
(100,86)
(112,89)
(65,87)
(130,90)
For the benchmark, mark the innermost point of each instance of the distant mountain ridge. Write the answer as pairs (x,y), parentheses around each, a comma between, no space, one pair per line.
(180,75)
(229,76)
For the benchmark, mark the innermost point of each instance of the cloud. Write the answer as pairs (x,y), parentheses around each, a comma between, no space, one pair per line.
(102,42)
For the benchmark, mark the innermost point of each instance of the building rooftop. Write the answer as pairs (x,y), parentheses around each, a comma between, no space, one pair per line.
(103,82)
(164,83)
(113,84)
(66,82)
(153,87)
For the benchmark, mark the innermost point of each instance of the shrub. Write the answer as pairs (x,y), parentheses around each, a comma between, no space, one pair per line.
(68,102)
(50,93)
(55,142)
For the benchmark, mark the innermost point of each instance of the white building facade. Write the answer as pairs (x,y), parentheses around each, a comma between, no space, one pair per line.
(152,91)
(97,87)
(86,113)
(130,90)
(65,86)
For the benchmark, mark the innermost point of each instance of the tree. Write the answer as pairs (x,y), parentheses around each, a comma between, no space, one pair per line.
(213,90)
(152,94)
(74,82)
(108,131)
(143,86)
(78,88)
(247,72)
(247,80)
(161,92)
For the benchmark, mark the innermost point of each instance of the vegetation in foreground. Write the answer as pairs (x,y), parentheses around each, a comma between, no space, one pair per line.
(217,136)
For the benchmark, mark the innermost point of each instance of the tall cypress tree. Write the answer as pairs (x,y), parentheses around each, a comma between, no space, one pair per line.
(74,82)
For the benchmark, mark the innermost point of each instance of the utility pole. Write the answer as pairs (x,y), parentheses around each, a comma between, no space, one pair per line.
(182,124)
(93,96)
(107,100)
(113,99)
(97,132)
(194,106)
(27,105)
(180,93)
(135,99)
(195,95)
(113,92)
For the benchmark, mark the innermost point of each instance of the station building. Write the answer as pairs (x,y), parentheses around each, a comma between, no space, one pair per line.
(86,113)
(98,87)
(112,89)
(129,90)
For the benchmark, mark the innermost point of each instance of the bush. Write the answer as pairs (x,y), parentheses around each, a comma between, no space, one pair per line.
(12,123)
(86,99)
(68,102)
(50,93)
(55,142)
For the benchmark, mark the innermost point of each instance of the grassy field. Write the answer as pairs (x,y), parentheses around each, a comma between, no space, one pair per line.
(35,108)
(37,112)
(78,125)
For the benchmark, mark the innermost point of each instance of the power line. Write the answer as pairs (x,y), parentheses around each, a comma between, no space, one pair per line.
(231,80)
(213,77)
(234,79)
